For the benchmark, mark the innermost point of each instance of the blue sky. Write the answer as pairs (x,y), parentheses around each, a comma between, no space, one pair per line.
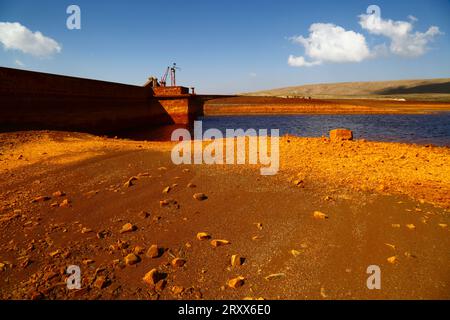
(233,46)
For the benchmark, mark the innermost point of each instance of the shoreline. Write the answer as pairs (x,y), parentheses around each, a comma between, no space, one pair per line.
(372,193)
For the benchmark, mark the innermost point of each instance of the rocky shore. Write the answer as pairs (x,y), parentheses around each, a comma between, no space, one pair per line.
(140,227)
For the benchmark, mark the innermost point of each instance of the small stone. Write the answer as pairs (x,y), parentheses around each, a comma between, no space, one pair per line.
(167,202)
(166,189)
(236,282)
(200,196)
(411,226)
(259,226)
(395,225)
(153,251)
(86,230)
(442,225)
(275,276)
(298,183)
(130,182)
(138,250)
(203,236)
(152,277)
(101,282)
(320,215)
(128,227)
(65,203)
(217,243)
(132,259)
(58,194)
(40,199)
(191,185)
(392,259)
(176,290)
(341,134)
(295,253)
(178,262)
(236,260)
(88,261)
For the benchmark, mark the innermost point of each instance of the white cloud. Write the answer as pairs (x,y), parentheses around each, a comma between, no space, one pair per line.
(404,42)
(330,43)
(19,63)
(15,36)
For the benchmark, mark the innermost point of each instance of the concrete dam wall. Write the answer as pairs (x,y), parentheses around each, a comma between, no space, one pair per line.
(35,100)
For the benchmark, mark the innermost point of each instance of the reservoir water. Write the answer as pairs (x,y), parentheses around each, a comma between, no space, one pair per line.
(420,129)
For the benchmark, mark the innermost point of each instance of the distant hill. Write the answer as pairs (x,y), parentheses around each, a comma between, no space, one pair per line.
(429,89)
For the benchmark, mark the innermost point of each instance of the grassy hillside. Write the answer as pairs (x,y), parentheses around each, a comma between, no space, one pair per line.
(425,90)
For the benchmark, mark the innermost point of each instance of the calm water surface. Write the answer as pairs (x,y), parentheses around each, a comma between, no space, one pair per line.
(421,129)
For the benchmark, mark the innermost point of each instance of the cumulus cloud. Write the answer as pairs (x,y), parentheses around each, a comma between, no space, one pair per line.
(330,43)
(403,41)
(15,36)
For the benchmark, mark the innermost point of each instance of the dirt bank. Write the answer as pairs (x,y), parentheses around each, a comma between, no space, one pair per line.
(277,105)
(383,200)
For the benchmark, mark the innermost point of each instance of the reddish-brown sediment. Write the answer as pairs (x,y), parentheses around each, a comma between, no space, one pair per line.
(276,105)
(382,200)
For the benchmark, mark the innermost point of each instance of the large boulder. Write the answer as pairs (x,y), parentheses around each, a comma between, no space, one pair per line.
(341,134)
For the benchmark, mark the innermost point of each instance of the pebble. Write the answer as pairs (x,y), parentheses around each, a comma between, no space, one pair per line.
(320,215)
(178,262)
(130,182)
(392,259)
(217,243)
(236,282)
(236,260)
(200,196)
(153,251)
(64,204)
(128,227)
(166,189)
(177,290)
(132,259)
(151,277)
(411,226)
(58,194)
(203,236)
(191,185)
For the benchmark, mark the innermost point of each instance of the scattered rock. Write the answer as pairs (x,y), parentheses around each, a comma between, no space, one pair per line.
(58,194)
(130,182)
(40,199)
(442,225)
(390,245)
(88,261)
(295,253)
(236,260)
(298,183)
(168,202)
(154,251)
(178,262)
(176,290)
(152,277)
(274,276)
(191,185)
(65,203)
(392,259)
(259,225)
(411,226)
(200,196)
(217,243)
(128,227)
(86,230)
(203,236)
(320,215)
(132,259)
(101,282)
(236,282)
(138,250)
(341,134)
(166,189)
